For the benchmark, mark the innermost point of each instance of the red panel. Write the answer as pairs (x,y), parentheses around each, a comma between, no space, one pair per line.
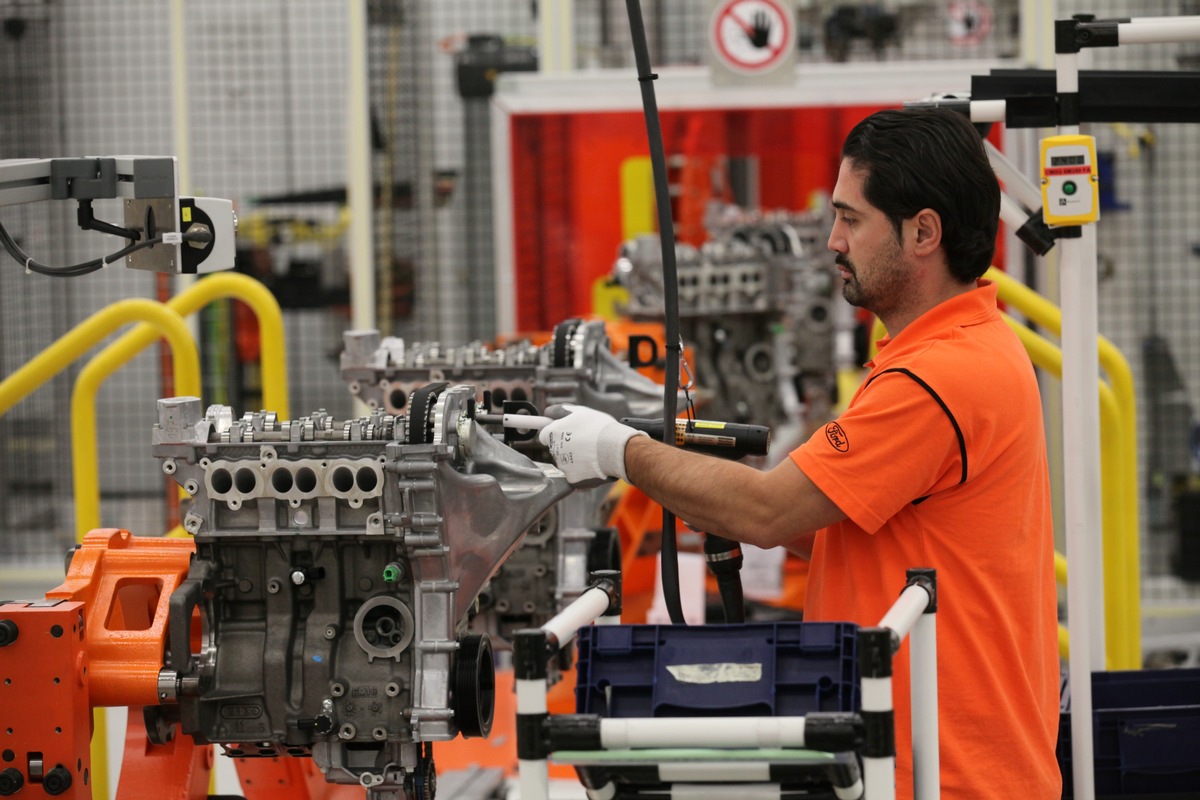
(600,144)
(567,192)
(996,137)
(177,770)
(45,709)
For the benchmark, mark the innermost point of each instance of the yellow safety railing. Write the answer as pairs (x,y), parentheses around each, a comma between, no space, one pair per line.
(83,336)
(83,400)
(1122,563)
(55,358)
(1048,356)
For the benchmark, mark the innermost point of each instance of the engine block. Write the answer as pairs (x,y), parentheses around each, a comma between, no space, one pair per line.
(336,566)
(757,306)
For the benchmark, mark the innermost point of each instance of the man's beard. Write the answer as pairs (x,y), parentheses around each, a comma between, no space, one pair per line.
(851,290)
(886,280)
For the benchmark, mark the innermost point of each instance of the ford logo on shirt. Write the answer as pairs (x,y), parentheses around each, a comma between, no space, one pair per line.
(837,437)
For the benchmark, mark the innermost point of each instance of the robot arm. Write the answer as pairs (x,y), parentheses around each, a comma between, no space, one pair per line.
(166,232)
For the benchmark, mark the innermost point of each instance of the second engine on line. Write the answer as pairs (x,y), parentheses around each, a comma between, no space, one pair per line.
(551,567)
(758,308)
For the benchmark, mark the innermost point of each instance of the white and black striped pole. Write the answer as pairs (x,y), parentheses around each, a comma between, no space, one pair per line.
(532,648)
(913,612)
(878,716)
(917,618)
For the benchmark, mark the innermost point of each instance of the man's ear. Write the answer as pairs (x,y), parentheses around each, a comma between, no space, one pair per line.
(927,231)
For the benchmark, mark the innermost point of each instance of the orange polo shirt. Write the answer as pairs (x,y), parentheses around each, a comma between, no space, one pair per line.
(940,461)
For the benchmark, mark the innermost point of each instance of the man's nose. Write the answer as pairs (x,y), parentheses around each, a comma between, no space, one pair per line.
(836,242)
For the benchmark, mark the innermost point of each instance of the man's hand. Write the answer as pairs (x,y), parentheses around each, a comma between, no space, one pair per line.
(587,445)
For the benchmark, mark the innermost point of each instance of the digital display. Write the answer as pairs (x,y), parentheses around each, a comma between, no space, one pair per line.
(1065,161)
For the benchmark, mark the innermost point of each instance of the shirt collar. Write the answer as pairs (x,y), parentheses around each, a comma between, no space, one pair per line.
(968,308)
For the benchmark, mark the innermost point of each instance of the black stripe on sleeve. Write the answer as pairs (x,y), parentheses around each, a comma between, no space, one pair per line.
(962,442)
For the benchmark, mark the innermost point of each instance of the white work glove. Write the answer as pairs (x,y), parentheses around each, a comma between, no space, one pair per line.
(587,445)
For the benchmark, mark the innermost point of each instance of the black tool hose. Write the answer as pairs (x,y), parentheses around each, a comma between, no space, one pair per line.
(724,558)
(666,229)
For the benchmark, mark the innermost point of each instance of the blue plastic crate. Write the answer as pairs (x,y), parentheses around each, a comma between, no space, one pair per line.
(1146,734)
(756,669)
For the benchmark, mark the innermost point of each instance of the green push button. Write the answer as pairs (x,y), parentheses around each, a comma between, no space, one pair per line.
(1069,188)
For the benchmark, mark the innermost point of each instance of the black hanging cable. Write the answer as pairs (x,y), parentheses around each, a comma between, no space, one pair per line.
(666,229)
(21,257)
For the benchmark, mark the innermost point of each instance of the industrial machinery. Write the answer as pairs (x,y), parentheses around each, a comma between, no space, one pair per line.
(551,566)
(165,232)
(576,366)
(320,613)
(757,308)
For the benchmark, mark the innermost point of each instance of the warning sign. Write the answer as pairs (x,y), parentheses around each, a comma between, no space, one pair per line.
(968,22)
(752,37)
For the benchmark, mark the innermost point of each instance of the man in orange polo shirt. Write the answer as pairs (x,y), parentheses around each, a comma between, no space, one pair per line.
(938,461)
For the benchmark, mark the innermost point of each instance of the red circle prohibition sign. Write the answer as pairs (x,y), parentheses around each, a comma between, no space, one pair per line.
(751,36)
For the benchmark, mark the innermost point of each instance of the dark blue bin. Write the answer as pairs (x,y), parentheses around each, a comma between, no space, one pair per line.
(756,669)
(1146,734)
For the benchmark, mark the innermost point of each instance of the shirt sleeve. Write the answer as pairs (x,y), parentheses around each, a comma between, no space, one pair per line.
(894,445)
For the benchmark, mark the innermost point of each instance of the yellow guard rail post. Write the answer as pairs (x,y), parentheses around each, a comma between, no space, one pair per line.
(1046,355)
(1123,568)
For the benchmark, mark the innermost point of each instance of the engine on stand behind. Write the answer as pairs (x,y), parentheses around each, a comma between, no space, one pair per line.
(758,308)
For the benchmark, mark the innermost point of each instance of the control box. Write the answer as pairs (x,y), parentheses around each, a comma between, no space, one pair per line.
(1070,183)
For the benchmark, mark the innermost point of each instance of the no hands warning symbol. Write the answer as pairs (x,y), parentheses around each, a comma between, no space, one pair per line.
(968,21)
(751,36)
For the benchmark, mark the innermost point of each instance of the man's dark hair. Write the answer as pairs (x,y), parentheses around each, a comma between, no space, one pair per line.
(925,158)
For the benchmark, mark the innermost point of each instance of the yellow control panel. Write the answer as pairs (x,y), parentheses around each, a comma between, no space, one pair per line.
(1070,182)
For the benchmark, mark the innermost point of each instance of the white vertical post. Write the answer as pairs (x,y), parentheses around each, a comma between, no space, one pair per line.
(358,172)
(1081,473)
(878,713)
(1037,33)
(503,243)
(181,134)
(179,99)
(922,649)
(556,36)
(531,681)
(879,772)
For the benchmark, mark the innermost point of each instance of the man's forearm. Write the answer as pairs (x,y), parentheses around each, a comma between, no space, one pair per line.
(727,498)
